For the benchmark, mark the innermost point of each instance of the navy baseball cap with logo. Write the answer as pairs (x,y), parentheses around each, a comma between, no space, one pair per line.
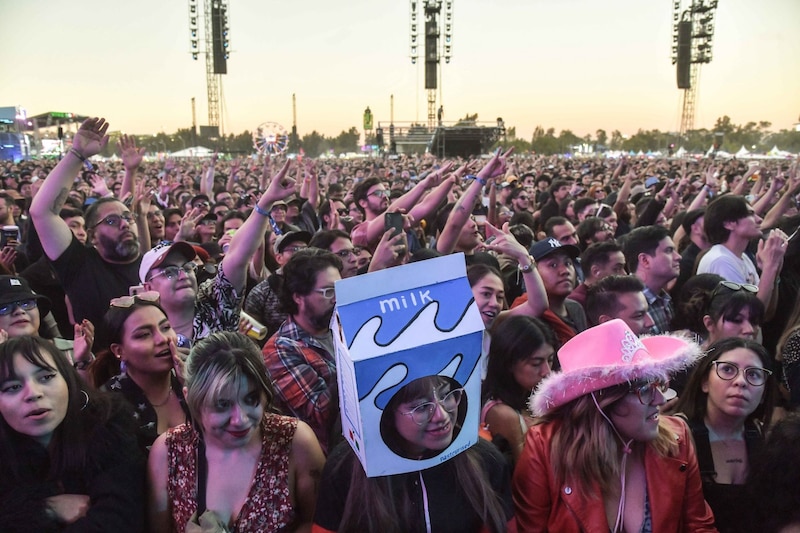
(541,249)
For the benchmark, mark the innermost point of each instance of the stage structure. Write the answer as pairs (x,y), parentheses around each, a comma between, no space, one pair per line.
(438,19)
(216,48)
(692,35)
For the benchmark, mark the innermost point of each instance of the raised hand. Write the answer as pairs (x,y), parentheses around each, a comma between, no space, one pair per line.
(131,155)
(91,137)
(99,185)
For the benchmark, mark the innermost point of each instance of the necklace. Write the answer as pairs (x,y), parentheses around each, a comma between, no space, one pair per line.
(162,404)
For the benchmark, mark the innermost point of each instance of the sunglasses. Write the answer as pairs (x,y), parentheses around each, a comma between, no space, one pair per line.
(116,220)
(123,302)
(733,287)
(27,305)
(646,392)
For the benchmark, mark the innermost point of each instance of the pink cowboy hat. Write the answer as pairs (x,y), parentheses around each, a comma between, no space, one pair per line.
(610,354)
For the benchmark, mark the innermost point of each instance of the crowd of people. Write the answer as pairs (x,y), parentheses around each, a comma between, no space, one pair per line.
(167,362)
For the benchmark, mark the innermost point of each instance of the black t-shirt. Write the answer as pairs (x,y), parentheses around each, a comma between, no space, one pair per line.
(90,283)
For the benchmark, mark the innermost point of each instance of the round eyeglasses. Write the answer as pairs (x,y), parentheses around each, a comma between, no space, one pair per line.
(172,272)
(646,392)
(27,305)
(754,375)
(423,413)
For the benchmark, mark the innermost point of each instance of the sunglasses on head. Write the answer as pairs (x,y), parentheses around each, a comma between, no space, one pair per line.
(124,302)
(733,287)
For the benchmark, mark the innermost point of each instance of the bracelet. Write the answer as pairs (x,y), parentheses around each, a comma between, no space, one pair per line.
(77,154)
(527,268)
(258,209)
(480,180)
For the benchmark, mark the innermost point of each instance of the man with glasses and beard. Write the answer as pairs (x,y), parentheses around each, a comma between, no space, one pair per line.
(91,276)
(300,357)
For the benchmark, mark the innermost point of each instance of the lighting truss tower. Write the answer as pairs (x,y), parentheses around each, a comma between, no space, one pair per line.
(216,49)
(438,20)
(692,36)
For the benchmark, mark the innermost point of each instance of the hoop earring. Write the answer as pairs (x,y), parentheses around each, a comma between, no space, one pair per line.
(85,399)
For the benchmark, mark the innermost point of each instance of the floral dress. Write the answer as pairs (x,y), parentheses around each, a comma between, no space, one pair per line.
(268,506)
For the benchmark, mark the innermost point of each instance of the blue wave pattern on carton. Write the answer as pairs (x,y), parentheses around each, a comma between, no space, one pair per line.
(398,310)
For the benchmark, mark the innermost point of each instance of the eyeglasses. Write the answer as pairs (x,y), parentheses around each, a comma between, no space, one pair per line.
(379,193)
(123,302)
(755,376)
(207,222)
(200,204)
(172,272)
(154,214)
(328,292)
(646,392)
(423,413)
(27,305)
(523,198)
(294,249)
(116,220)
(344,254)
(733,287)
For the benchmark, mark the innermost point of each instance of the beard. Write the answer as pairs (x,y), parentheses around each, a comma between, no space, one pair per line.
(119,251)
(323,321)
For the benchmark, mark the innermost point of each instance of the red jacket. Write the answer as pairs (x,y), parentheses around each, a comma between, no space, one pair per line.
(674,490)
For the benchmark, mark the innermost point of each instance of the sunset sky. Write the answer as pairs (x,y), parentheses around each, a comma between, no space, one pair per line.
(568,64)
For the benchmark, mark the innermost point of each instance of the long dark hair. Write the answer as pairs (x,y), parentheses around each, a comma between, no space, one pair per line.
(86,409)
(513,340)
(106,365)
(383,503)
(694,402)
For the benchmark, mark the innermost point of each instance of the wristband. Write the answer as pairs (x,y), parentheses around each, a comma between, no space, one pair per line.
(476,178)
(86,163)
(258,209)
(77,154)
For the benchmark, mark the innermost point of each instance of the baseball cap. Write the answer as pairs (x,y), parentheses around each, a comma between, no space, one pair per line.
(289,237)
(541,249)
(159,253)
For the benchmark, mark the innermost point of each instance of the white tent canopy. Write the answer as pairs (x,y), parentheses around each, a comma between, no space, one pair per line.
(193,151)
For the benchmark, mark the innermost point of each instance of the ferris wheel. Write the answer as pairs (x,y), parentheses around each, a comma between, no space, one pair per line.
(271,138)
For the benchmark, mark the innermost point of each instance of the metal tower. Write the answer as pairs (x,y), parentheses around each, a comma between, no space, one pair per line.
(215,18)
(438,13)
(692,35)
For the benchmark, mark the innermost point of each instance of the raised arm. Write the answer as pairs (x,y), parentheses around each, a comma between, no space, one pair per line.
(131,159)
(446,243)
(53,232)
(250,235)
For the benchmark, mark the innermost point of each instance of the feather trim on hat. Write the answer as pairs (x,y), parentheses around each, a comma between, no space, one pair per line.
(562,387)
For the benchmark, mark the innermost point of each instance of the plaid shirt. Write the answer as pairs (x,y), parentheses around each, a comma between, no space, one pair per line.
(660,310)
(303,373)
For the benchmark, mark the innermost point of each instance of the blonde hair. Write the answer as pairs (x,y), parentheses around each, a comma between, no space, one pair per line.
(585,449)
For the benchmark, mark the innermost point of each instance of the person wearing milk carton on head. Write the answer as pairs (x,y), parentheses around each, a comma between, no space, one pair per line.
(600,457)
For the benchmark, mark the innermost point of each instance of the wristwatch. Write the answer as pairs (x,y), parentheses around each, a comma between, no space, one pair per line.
(527,268)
